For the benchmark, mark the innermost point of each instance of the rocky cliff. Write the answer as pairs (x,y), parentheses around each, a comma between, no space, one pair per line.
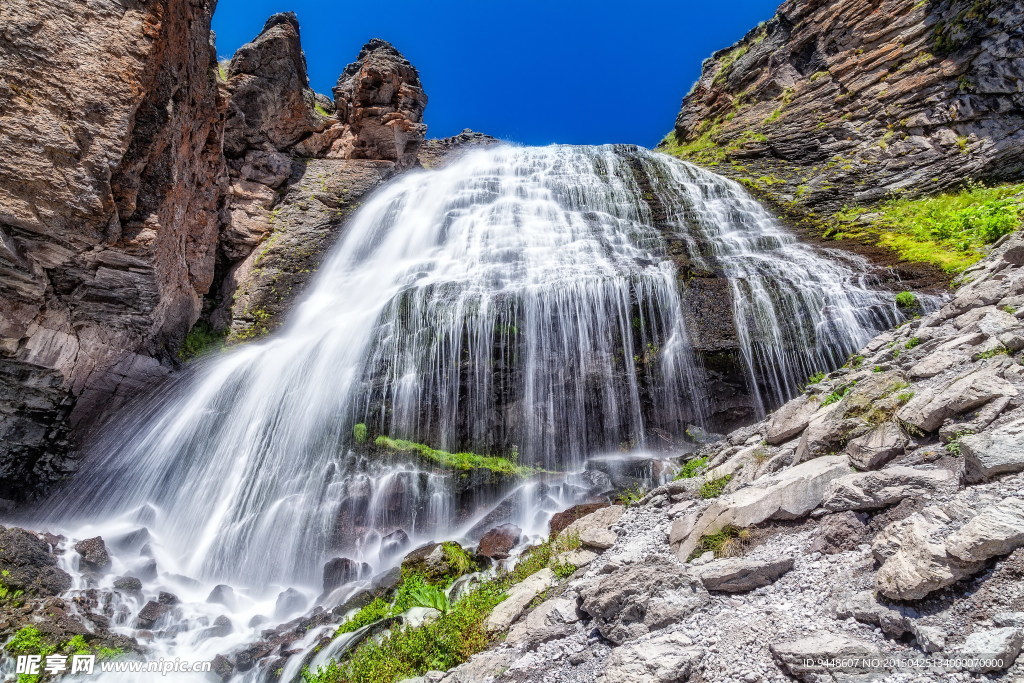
(832,103)
(141,187)
(110,200)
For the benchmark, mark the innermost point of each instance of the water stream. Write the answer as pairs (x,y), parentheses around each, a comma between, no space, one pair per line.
(534,303)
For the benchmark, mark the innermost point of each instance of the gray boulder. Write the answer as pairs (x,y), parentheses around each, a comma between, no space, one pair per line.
(873,490)
(808,658)
(877,447)
(519,597)
(630,601)
(594,530)
(554,618)
(993,649)
(994,452)
(667,658)
(929,408)
(740,574)
(789,494)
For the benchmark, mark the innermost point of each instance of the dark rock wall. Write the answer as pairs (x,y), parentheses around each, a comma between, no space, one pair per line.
(830,103)
(109,209)
(142,186)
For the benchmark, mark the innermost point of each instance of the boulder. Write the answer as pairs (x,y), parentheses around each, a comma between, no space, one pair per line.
(1008,619)
(435,560)
(150,614)
(873,490)
(563,519)
(993,452)
(993,649)
(629,601)
(289,602)
(914,558)
(577,558)
(839,532)
(551,619)
(740,574)
(129,584)
(394,543)
(342,570)
(499,541)
(877,447)
(94,556)
(223,595)
(894,620)
(996,530)
(929,408)
(594,530)
(29,565)
(808,658)
(935,364)
(221,627)
(666,658)
(789,420)
(519,597)
(789,494)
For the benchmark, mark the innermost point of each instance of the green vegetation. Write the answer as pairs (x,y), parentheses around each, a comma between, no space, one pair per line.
(691,469)
(953,445)
(836,395)
(728,542)
(458,461)
(815,378)
(29,640)
(564,570)
(904,396)
(702,150)
(714,487)
(457,634)
(319,108)
(1009,309)
(200,340)
(359,432)
(8,596)
(992,353)
(223,72)
(948,230)
(912,342)
(726,62)
(855,362)
(631,494)
(906,300)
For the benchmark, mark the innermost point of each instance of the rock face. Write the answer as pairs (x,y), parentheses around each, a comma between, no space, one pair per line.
(28,564)
(109,211)
(830,103)
(141,187)
(633,600)
(380,100)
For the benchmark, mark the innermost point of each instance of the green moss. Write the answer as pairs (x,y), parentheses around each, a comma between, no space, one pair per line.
(691,469)
(320,109)
(714,487)
(223,72)
(701,150)
(359,433)
(906,300)
(948,230)
(725,63)
(815,378)
(370,613)
(201,340)
(458,461)
(912,343)
(631,495)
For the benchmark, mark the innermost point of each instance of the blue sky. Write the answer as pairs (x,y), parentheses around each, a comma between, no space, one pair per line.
(530,71)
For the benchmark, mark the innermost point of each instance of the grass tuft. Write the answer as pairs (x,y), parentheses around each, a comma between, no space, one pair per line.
(458,461)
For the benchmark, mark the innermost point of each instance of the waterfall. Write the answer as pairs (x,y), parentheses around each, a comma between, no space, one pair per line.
(539,304)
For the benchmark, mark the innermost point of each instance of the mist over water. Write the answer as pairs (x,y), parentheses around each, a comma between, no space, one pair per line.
(522,302)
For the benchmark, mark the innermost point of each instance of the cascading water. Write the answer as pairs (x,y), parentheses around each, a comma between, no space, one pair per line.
(523,302)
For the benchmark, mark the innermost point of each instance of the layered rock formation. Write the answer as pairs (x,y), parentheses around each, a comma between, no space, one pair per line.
(833,103)
(149,191)
(109,211)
